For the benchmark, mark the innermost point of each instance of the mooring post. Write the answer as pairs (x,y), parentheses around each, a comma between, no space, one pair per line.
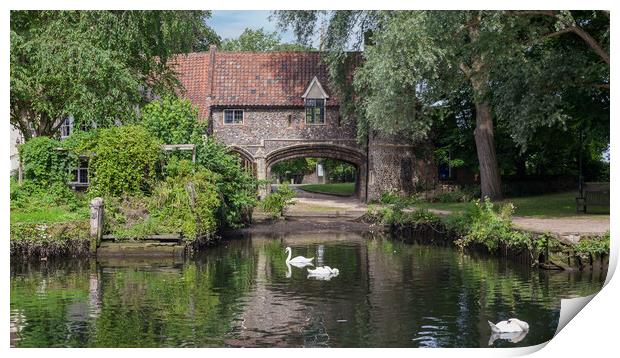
(96,224)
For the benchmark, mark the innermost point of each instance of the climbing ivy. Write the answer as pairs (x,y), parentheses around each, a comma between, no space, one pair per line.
(44,161)
(124,161)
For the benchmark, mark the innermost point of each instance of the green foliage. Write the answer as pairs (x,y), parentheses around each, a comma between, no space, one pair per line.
(44,161)
(598,245)
(237,187)
(481,224)
(293,168)
(454,196)
(339,171)
(125,161)
(275,204)
(31,202)
(172,120)
(186,203)
(258,41)
(93,64)
(389,197)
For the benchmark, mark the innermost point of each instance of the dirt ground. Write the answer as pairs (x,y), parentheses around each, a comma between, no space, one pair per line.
(312,206)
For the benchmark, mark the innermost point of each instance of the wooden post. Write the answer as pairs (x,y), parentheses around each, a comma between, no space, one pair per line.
(96,224)
(20,172)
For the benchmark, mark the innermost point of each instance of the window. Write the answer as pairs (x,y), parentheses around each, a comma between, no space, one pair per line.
(80,174)
(66,127)
(233,116)
(315,111)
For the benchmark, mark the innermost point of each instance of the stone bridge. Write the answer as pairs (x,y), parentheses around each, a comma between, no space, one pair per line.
(273,106)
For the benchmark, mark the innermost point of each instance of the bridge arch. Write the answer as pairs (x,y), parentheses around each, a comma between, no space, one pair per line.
(324,150)
(247,159)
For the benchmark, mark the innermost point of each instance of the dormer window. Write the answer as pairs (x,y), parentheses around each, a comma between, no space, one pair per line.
(315,111)
(314,99)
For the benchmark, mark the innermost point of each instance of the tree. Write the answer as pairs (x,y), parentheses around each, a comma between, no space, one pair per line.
(417,64)
(259,41)
(94,65)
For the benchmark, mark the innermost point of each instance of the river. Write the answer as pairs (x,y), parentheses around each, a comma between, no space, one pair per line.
(241,293)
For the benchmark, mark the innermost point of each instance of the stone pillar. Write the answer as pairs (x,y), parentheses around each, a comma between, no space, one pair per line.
(96,224)
(261,173)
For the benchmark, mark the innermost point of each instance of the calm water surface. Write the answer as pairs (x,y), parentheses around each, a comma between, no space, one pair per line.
(388,294)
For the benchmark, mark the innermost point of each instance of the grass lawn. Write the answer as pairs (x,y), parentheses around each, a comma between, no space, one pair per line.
(551,205)
(48,215)
(342,189)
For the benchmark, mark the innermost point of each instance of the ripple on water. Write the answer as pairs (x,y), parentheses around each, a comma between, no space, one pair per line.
(388,294)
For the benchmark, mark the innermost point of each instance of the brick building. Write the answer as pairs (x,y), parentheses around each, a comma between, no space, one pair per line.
(274,106)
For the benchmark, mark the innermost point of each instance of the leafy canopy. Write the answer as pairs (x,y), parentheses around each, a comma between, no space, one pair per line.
(94,65)
(260,40)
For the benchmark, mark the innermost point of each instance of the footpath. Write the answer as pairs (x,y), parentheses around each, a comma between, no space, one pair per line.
(571,229)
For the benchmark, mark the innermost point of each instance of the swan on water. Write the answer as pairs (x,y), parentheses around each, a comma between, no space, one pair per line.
(513,337)
(324,270)
(297,259)
(510,326)
(324,273)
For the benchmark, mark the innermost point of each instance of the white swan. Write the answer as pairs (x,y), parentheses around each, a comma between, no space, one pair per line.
(510,326)
(324,270)
(324,273)
(297,259)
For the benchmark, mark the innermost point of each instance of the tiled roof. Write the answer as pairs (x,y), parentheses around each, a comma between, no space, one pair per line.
(193,72)
(266,79)
(250,78)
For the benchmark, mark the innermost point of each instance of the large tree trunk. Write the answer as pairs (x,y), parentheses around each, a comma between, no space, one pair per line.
(490,182)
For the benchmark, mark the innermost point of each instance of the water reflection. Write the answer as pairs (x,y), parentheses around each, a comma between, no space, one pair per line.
(388,294)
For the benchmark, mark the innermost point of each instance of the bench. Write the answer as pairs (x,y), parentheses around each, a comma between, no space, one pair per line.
(594,194)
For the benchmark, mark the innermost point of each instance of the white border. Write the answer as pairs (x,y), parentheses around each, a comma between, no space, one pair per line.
(593,331)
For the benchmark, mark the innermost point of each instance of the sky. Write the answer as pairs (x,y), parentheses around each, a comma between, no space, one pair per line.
(231,23)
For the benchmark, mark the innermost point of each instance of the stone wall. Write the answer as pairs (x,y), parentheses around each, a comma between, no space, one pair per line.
(396,165)
(269,135)
(271,129)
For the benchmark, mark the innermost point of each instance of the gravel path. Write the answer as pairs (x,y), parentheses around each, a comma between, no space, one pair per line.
(321,205)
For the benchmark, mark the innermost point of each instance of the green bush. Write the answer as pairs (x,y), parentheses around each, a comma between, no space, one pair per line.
(237,187)
(275,204)
(44,161)
(185,203)
(456,196)
(124,161)
(481,224)
(30,200)
(598,245)
(172,121)
(175,121)
(389,197)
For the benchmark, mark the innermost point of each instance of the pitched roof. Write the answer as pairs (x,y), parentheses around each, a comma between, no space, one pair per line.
(193,72)
(268,79)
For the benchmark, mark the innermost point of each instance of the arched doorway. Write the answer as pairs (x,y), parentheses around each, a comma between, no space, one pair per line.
(324,150)
(246,159)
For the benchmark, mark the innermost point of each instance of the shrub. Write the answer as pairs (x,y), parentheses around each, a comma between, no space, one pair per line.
(124,161)
(172,120)
(30,197)
(237,187)
(275,204)
(186,203)
(598,245)
(483,225)
(175,121)
(388,197)
(456,196)
(44,162)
